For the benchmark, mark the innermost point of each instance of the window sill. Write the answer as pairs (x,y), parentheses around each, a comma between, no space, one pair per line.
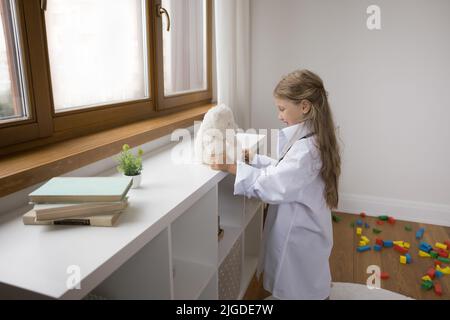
(25,169)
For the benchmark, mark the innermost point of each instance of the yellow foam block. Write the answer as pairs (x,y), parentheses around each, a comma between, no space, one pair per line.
(446,270)
(358,231)
(365,239)
(403,259)
(423,254)
(426,278)
(398,243)
(406,245)
(362,243)
(441,246)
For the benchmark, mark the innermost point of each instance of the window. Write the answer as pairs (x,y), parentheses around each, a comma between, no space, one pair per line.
(185,47)
(13,100)
(184,58)
(97,52)
(72,67)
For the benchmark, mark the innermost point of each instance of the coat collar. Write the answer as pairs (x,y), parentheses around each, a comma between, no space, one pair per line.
(286,134)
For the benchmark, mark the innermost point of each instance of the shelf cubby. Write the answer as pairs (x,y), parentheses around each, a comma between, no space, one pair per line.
(145,276)
(194,247)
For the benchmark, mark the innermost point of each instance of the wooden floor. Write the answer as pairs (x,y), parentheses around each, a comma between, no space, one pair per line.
(347,265)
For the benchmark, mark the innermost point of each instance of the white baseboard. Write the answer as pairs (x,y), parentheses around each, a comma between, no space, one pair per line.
(421,212)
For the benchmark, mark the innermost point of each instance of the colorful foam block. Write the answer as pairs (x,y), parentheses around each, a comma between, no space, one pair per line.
(400,249)
(388,244)
(445,260)
(445,270)
(398,243)
(363,249)
(384,275)
(358,231)
(377,247)
(441,246)
(376,231)
(424,254)
(426,278)
(359,223)
(379,241)
(336,218)
(419,233)
(437,263)
(438,274)
(362,243)
(425,247)
(380,223)
(447,243)
(434,254)
(383,218)
(431,273)
(366,225)
(391,220)
(427,285)
(408,258)
(363,214)
(406,245)
(442,253)
(365,239)
(403,260)
(408,228)
(437,289)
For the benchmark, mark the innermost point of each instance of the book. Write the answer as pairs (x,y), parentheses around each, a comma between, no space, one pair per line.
(45,212)
(104,220)
(85,189)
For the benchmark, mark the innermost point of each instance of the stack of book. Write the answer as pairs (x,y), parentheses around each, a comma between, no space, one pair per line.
(95,201)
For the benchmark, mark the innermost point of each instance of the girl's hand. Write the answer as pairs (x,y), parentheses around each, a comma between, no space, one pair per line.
(222,165)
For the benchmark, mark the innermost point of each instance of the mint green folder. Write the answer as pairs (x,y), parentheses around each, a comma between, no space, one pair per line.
(89,189)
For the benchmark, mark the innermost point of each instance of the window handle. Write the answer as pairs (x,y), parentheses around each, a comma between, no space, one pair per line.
(160,11)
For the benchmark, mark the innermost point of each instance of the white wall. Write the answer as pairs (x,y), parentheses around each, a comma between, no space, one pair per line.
(388,91)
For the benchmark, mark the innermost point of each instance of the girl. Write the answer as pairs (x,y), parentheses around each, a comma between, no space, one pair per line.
(301,188)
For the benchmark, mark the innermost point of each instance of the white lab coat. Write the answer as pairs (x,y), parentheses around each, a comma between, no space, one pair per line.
(298,236)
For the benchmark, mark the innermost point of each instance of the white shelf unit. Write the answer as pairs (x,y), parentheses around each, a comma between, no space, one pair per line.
(165,245)
(252,240)
(194,247)
(145,276)
(182,262)
(241,219)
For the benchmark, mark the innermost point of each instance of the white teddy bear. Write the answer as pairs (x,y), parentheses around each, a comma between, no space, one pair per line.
(212,137)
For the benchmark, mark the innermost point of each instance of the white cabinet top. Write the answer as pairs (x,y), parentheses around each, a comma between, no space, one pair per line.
(37,258)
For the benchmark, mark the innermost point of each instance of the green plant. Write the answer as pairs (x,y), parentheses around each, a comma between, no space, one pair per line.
(130,164)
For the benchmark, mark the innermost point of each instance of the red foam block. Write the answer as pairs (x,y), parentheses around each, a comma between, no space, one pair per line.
(431,272)
(400,249)
(384,275)
(438,288)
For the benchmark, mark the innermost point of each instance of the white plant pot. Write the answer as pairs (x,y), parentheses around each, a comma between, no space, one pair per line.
(136,181)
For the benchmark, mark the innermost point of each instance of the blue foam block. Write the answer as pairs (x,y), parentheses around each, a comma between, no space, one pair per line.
(363,248)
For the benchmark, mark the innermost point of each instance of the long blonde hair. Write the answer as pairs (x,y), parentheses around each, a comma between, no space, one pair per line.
(304,84)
